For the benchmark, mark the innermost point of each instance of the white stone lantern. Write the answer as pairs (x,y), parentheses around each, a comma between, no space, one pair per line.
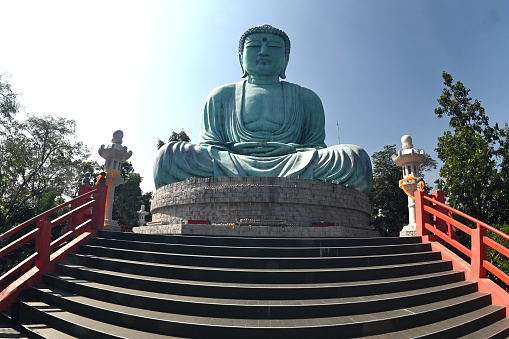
(141,215)
(115,155)
(409,159)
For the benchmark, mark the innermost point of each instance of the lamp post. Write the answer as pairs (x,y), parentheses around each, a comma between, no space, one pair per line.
(115,155)
(409,159)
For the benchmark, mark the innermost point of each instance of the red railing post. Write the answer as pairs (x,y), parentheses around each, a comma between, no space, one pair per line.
(42,245)
(99,209)
(478,253)
(421,216)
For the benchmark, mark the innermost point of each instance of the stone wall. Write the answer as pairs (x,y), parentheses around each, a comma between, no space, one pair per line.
(261,231)
(293,201)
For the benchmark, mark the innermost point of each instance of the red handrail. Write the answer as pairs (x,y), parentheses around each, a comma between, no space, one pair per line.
(84,219)
(435,204)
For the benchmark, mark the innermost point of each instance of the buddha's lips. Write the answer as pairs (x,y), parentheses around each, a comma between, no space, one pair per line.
(263,60)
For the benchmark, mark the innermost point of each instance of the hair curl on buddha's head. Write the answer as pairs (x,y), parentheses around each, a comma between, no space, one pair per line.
(269,30)
(265,29)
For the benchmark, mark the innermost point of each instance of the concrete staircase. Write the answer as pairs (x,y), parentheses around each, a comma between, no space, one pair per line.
(125,285)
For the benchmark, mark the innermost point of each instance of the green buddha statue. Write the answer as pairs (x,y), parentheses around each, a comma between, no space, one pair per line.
(263,127)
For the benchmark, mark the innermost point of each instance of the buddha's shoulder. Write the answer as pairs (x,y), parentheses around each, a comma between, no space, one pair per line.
(305,94)
(223,91)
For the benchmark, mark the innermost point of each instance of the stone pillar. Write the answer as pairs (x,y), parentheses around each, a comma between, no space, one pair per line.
(141,215)
(115,155)
(409,159)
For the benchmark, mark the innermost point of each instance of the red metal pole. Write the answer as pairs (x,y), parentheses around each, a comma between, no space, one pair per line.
(478,253)
(421,216)
(42,245)
(99,208)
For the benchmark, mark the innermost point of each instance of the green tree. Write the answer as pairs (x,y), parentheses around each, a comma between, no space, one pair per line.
(502,192)
(127,200)
(37,156)
(386,193)
(94,169)
(181,136)
(126,170)
(475,158)
(9,104)
(40,161)
(474,155)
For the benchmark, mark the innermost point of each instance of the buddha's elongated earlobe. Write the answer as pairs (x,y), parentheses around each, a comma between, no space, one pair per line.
(244,73)
(282,74)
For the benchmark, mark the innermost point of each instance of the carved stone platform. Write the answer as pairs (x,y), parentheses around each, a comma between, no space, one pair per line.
(226,201)
(261,231)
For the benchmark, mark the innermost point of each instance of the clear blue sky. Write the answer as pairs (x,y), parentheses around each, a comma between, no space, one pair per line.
(146,67)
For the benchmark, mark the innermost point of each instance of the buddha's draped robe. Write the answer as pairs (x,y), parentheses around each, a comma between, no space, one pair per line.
(298,145)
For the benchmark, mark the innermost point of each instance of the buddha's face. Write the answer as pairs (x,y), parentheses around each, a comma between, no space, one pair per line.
(264,55)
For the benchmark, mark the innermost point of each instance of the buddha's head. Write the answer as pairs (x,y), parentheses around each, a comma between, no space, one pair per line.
(264,50)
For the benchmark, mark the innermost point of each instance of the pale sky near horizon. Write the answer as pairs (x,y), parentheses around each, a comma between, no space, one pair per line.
(146,67)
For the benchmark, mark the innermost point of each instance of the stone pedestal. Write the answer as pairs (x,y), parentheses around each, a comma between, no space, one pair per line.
(409,231)
(111,225)
(224,204)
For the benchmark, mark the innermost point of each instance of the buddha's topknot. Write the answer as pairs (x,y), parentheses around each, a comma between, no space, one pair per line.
(265,29)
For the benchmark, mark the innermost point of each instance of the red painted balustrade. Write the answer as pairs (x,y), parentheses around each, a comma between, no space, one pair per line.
(83,220)
(436,224)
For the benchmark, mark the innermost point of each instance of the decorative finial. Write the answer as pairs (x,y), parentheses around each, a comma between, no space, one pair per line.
(438,185)
(117,137)
(406,141)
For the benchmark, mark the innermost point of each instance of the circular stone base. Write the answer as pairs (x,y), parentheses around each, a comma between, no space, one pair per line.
(259,201)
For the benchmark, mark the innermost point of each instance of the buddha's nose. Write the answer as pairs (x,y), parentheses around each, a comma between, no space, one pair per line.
(264,50)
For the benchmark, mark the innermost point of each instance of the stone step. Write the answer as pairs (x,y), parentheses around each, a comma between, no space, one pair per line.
(256,242)
(77,326)
(496,330)
(256,291)
(260,309)
(44,331)
(196,326)
(233,261)
(455,327)
(263,251)
(147,286)
(252,275)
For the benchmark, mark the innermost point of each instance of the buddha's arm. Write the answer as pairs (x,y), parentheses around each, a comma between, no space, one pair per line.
(214,122)
(313,136)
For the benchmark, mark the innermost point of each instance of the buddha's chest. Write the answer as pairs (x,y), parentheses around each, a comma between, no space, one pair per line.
(263,109)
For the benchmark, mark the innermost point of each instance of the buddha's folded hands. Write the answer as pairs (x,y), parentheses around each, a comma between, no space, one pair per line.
(263,148)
